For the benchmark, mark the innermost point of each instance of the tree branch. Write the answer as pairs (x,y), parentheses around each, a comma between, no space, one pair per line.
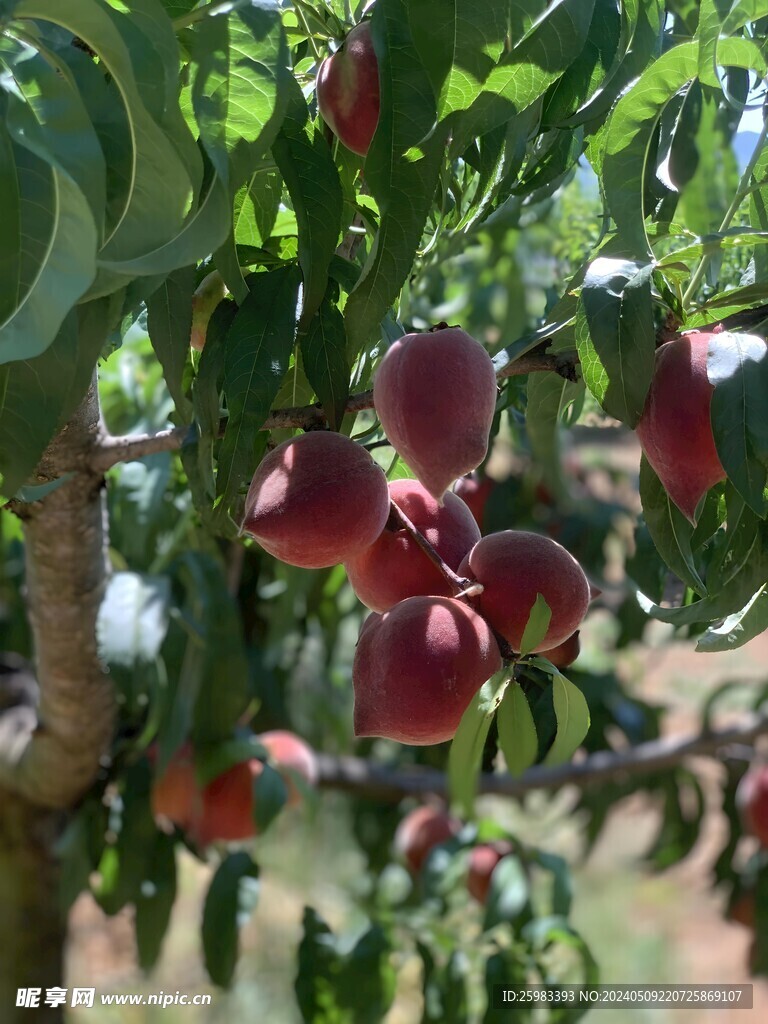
(113,450)
(378,782)
(51,756)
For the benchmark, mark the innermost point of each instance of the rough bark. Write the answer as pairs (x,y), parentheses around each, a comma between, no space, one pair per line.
(52,761)
(32,922)
(55,730)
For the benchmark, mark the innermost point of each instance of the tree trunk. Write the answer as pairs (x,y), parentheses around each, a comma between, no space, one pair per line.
(55,729)
(34,929)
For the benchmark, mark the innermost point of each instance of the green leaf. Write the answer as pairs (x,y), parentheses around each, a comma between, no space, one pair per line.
(305,162)
(53,120)
(324,352)
(229,903)
(517,730)
(537,625)
(549,396)
(336,984)
(56,259)
(459,43)
(737,366)
(133,618)
(206,389)
(33,396)
(403,185)
(213,612)
(572,714)
(509,894)
(270,794)
(670,531)
(629,136)
(157,190)
(258,351)
(169,322)
(741,627)
(155,901)
(589,70)
(239,85)
(616,336)
(467,747)
(525,72)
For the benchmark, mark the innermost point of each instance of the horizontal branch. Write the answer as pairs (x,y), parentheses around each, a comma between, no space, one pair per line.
(378,782)
(113,450)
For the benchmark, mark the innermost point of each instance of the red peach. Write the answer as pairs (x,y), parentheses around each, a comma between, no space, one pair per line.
(316,500)
(348,90)
(420,831)
(675,429)
(418,666)
(565,653)
(482,863)
(174,794)
(227,808)
(513,567)
(435,395)
(287,750)
(752,801)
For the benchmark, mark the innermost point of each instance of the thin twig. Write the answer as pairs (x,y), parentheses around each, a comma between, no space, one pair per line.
(112,450)
(458,583)
(378,782)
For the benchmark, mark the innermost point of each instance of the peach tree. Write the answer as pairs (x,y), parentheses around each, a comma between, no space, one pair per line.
(233,412)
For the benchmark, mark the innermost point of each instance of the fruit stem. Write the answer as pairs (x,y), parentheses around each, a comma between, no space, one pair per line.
(460,584)
(741,193)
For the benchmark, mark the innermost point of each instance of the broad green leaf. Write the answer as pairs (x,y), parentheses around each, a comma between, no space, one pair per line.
(630,131)
(239,86)
(711,16)
(572,714)
(204,230)
(445,987)
(467,746)
(616,335)
(741,627)
(229,903)
(157,193)
(306,165)
(669,529)
(324,352)
(403,185)
(732,597)
(33,396)
(737,366)
(459,43)
(517,730)
(259,346)
(526,72)
(53,121)
(708,246)
(133,618)
(169,322)
(57,261)
(734,545)
(589,70)
(537,625)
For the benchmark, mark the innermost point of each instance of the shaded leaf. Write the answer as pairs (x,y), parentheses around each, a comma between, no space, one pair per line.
(229,903)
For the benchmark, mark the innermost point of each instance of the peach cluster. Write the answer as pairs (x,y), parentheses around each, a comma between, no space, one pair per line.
(444,598)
